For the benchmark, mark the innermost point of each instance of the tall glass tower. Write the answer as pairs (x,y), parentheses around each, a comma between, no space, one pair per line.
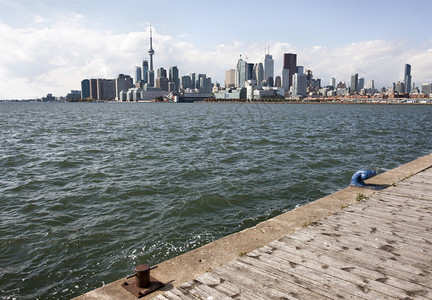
(407,78)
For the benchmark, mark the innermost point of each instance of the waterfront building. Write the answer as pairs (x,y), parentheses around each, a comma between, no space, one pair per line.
(205,85)
(370,85)
(122,83)
(290,63)
(138,74)
(241,72)
(145,68)
(361,84)
(74,95)
(333,82)
(105,89)
(162,83)
(399,87)
(407,78)
(299,85)
(354,84)
(427,89)
(122,96)
(249,71)
(230,78)
(268,67)
(341,85)
(151,78)
(174,77)
(185,82)
(193,81)
(300,70)
(259,74)
(285,80)
(278,82)
(93,88)
(161,73)
(85,89)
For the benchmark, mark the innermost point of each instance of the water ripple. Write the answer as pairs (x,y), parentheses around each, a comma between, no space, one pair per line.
(90,190)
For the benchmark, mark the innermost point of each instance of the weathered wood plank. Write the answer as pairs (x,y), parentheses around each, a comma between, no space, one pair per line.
(386,266)
(361,278)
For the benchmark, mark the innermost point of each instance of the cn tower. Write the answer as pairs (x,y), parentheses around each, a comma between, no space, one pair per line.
(151,51)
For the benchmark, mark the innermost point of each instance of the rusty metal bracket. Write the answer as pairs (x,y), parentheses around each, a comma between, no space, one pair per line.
(142,283)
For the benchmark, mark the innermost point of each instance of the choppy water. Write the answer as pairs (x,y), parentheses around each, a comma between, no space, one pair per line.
(87,191)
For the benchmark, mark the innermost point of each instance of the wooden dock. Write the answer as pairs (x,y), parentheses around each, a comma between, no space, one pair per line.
(377,248)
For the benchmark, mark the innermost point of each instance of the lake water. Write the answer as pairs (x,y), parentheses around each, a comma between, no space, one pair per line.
(89,190)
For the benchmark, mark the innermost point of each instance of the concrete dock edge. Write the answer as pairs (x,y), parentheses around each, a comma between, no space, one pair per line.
(190,265)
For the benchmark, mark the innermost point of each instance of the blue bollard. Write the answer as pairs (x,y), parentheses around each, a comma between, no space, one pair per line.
(359,176)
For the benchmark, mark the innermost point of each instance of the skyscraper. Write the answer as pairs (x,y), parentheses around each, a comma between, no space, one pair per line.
(145,68)
(299,85)
(151,53)
(230,78)
(137,74)
(290,63)
(285,80)
(241,73)
(407,78)
(161,73)
(85,89)
(361,84)
(354,84)
(333,82)
(259,74)
(268,67)
(174,77)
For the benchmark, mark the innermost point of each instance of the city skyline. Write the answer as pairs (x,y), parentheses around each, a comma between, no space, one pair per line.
(60,42)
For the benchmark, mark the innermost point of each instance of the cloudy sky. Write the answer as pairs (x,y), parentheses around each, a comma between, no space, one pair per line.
(50,46)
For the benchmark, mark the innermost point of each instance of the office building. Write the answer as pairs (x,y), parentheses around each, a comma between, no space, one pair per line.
(85,89)
(299,85)
(240,74)
(259,74)
(185,82)
(332,82)
(106,89)
(361,84)
(249,71)
(407,78)
(138,71)
(268,67)
(290,63)
(285,80)
(354,84)
(162,83)
(93,88)
(427,88)
(145,68)
(161,73)
(122,83)
(278,82)
(174,77)
(230,78)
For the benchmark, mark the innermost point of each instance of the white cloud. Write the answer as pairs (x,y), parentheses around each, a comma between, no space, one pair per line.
(56,56)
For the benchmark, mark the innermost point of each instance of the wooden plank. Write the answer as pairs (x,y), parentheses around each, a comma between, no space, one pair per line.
(382,232)
(284,270)
(377,248)
(353,256)
(361,278)
(202,291)
(241,276)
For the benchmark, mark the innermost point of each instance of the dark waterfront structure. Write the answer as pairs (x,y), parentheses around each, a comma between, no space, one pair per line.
(290,63)
(85,89)
(407,78)
(354,84)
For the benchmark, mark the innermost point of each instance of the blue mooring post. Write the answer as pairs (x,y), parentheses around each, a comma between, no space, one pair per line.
(359,176)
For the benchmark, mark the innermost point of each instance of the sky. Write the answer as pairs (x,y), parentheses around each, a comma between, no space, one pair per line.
(50,46)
